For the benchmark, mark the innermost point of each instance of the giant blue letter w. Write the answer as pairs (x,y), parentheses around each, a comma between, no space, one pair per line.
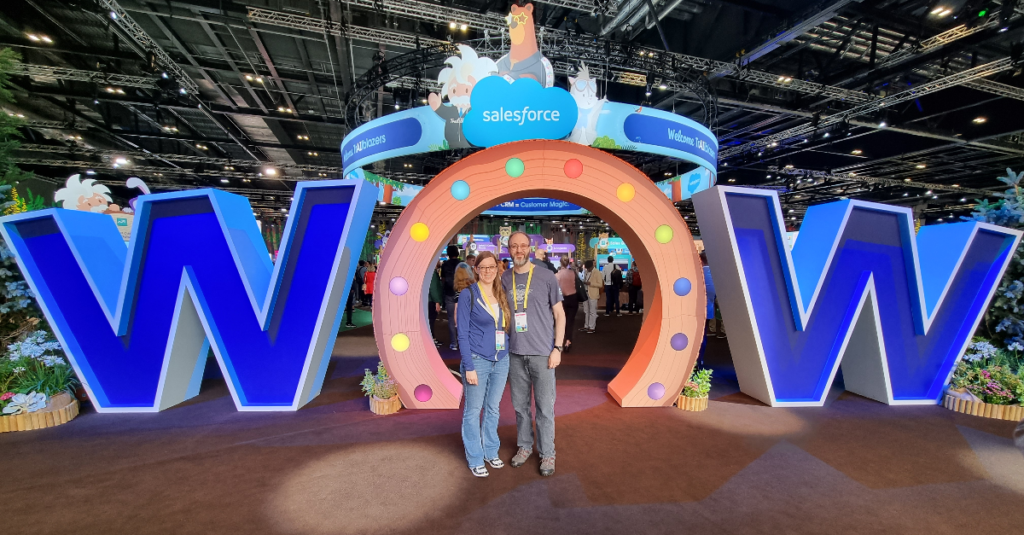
(138,322)
(858,287)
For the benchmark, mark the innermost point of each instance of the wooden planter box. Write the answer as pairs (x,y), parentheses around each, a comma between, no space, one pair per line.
(385,406)
(61,409)
(987,410)
(692,404)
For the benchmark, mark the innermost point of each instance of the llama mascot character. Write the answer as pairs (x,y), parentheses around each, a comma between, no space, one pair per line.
(524,59)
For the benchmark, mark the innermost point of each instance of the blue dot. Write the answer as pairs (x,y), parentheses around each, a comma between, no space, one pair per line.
(682,286)
(460,190)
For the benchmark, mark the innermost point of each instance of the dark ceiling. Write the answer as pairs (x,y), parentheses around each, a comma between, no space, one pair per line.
(910,102)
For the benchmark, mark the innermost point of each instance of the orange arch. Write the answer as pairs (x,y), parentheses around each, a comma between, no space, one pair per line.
(613,190)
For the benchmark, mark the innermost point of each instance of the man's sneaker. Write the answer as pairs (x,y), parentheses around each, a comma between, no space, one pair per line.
(521,456)
(495,463)
(350,325)
(547,466)
(479,471)
(606,315)
(454,347)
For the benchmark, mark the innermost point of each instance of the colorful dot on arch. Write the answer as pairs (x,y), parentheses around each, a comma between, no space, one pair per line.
(514,167)
(419,232)
(460,190)
(573,168)
(663,234)
(398,285)
(682,286)
(679,341)
(423,393)
(625,192)
(656,391)
(400,342)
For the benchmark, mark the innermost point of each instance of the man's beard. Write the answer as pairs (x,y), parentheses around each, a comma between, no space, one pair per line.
(519,263)
(98,209)
(459,102)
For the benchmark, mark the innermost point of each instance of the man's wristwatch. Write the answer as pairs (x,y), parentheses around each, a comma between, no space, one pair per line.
(561,348)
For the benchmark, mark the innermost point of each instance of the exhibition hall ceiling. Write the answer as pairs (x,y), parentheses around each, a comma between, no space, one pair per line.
(906,102)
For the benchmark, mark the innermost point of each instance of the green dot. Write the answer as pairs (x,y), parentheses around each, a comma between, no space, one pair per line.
(663,234)
(514,167)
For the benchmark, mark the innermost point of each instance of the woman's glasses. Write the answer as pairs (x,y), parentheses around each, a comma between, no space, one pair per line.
(487,268)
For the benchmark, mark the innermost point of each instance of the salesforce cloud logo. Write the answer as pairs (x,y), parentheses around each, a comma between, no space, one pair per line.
(501,112)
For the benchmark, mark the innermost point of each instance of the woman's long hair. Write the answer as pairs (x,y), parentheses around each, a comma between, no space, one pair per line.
(463,277)
(499,294)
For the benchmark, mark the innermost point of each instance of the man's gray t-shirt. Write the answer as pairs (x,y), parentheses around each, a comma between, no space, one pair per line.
(539,338)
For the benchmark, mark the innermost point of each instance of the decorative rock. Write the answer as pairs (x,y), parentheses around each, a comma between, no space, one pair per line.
(514,167)
(682,286)
(460,190)
(573,168)
(398,286)
(423,393)
(663,234)
(656,391)
(400,342)
(679,341)
(625,192)
(419,232)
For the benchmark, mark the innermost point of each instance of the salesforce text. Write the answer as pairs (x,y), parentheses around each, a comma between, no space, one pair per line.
(520,116)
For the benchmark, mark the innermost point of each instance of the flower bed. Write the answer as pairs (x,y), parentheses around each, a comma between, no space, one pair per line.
(694,396)
(382,391)
(60,409)
(35,385)
(987,382)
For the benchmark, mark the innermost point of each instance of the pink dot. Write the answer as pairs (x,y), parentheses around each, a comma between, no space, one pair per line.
(423,393)
(573,168)
(398,286)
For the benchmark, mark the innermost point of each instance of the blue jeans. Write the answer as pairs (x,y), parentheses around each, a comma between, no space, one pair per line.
(486,394)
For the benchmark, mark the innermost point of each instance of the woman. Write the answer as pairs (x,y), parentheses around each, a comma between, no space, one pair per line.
(567,283)
(464,278)
(595,283)
(483,318)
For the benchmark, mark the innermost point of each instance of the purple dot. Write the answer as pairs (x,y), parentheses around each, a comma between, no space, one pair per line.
(680,341)
(423,393)
(681,286)
(398,286)
(656,391)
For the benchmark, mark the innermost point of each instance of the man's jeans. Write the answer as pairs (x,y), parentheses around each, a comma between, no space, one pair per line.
(449,305)
(612,300)
(486,395)
(526,373)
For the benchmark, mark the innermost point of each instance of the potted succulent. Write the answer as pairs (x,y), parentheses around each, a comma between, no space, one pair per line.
(694,396)
(382,391)
(35,385)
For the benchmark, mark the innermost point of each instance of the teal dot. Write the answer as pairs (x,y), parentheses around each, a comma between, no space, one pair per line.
(460,190)
(514,167)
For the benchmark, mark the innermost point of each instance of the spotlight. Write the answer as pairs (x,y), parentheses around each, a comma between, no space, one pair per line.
(183,91)
(397,107)
(963,199)
(979,120)
(883,124)
(270,171)
(113,15)
(224,181)
(120,160)
(90,172)
(856,152)
(451,25)
(920,166)
(732,180)
(905,194)
(662,86)
(826,134)
(248,77)
(464,27)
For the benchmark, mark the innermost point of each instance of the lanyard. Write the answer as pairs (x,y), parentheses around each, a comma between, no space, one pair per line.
(488,303)
(526,294)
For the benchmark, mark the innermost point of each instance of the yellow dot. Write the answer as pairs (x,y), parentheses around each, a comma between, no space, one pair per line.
(419,232)
(400,342)
(663,234)
(626,192)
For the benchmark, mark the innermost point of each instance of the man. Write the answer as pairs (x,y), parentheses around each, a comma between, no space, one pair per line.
(360,279)
(471,260)
(450,298)
(458,81)
(612,284)
(535,349)
(540,257)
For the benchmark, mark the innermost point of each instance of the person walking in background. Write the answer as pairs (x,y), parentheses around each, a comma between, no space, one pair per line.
(595,282)
(349,304)
(371,277)
(360,280)
(612,285)
(540,257)
(570,303)
(483,318)
(471,260)
(435,296)
(535,349)
(606,274)
(464,278)
(450,297)
(633,285)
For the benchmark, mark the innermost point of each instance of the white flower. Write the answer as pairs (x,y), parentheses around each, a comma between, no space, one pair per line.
(1016,346)
(19,369)
(30,402)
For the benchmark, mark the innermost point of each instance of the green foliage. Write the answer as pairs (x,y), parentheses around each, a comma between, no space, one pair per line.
(34,202)
(699,384)
(443,146)
(381,386)
(605,142)
(35,364)
(9,135)
(991,374)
